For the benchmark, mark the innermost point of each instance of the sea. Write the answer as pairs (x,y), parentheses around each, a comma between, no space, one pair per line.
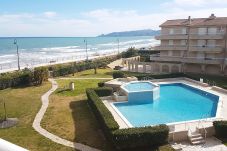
(37,51)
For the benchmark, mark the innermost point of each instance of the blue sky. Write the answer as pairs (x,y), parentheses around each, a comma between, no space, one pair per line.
(91,18)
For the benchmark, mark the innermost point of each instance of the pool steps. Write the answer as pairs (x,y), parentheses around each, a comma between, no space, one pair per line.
(196,138)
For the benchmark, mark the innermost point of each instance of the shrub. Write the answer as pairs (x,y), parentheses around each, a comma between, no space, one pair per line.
(70,68)
(124,138)
(220,128)
(40,75)
(101,84)
(102,114)
(118,74)
(104,91)
(131,52)
(140,137)
(15,79)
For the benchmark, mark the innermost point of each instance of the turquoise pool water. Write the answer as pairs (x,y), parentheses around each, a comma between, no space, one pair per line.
(178,102)
(139,86)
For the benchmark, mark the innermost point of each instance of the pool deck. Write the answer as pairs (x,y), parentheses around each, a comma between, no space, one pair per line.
(182,127)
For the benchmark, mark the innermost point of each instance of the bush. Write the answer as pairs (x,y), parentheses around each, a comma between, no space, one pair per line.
(140,137)
(118,74)
(24,77)
(104,91)
(102,114)
(131,52)
(70,68)
(220,128)
(101,84)
(40,75)
(124,138)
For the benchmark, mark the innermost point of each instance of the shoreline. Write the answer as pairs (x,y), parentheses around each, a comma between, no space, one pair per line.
(61,62)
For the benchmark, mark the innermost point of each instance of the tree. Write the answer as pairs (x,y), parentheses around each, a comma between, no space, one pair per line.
(40,75)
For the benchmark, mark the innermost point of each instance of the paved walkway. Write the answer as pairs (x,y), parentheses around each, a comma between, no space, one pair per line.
(212,144)
(86,78)
(36,124)
(115,63)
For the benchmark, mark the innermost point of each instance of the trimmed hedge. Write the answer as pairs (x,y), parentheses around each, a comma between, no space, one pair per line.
(101,112)
(104,91)
(220,128)
(101,84)
(124,138)
(141,137)
(118,74)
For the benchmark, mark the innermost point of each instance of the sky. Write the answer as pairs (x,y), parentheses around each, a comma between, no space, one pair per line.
(78,18)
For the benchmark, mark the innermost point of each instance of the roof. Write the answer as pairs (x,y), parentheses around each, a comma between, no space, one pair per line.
(196,22)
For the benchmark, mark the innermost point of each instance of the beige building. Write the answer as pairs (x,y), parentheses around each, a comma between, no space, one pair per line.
(196,45)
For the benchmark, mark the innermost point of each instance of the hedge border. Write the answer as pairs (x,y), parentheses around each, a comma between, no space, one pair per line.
(124,138)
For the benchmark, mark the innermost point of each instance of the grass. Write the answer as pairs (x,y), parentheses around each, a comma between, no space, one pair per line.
(101,73)
(24,103)
(80,86)
(69,116)
(223,140)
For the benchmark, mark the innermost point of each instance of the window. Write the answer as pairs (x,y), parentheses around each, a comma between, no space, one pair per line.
(201,43)
(202,31)
(170,42)
(212,30)
(171,31)
(184,31)
(183,42)
(211,43)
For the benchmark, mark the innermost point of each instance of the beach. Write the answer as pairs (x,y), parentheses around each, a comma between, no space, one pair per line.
(34,52)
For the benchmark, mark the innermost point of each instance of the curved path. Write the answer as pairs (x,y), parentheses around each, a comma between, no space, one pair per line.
(36,124)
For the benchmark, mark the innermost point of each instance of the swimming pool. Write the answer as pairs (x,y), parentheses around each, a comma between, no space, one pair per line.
(139,86)
(177,102)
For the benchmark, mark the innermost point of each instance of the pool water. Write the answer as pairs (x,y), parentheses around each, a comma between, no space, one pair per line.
(139,86)
(178,102)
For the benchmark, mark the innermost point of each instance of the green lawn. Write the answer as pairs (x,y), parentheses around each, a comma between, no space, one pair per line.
(24,103)
(69,116)
(101,73)
(80,86)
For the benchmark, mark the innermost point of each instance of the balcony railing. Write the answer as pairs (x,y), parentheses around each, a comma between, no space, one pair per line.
(205,48)
(171,47)
(217,35)
(198,60)
(171,36)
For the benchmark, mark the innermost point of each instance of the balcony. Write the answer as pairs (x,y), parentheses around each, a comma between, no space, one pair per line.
(170,47)
(166,58)
(207,49)
(207,36)
(218,35)
(187,59)
(173,36)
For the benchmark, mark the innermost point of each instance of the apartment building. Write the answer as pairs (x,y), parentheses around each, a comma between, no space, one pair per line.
(195,45)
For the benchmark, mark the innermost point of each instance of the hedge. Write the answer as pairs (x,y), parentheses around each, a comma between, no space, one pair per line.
(101,84)
(123,138)
(23,78)
(104,91)
(220,128)
(101,112)
(118,74)
(140,137)
(70,68)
